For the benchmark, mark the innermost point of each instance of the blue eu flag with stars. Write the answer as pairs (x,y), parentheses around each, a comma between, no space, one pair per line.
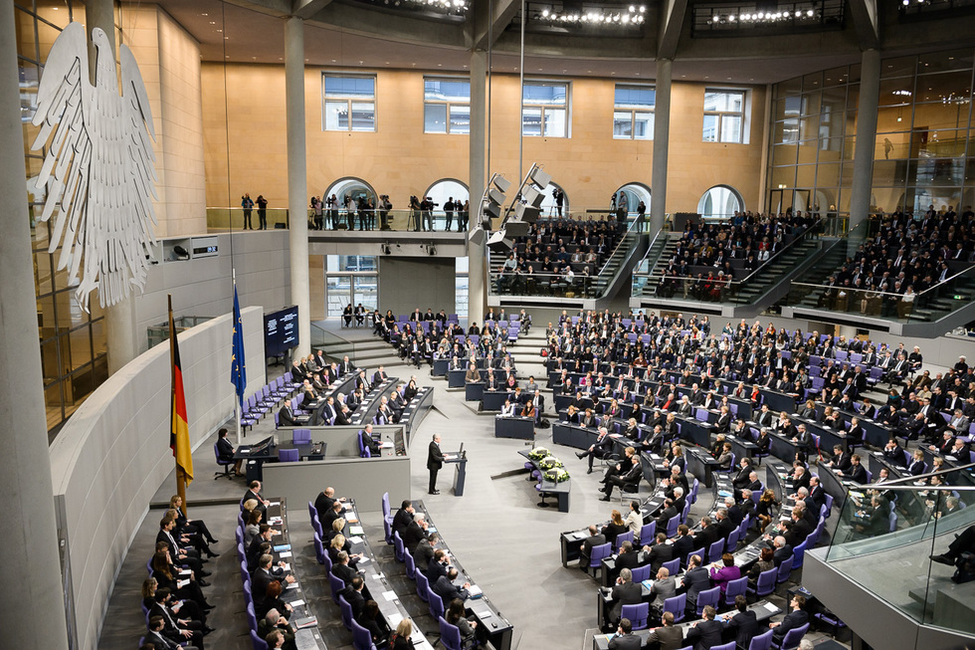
(238,369)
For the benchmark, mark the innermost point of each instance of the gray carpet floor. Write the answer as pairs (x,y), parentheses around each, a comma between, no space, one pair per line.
(507,544)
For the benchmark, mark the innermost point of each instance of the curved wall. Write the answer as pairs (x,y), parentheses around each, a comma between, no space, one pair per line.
(113,454)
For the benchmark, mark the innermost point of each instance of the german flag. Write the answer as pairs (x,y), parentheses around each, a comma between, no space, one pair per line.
(179,438)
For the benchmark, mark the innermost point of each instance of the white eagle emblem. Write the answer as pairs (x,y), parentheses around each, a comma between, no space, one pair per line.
(99,175)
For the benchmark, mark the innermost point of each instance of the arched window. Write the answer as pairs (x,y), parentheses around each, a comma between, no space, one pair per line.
(633,193)
(549,208)
(720,202)
(350,186)
(447,188)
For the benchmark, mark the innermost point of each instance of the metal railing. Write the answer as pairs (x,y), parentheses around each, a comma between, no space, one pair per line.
(715,288)
(929,305)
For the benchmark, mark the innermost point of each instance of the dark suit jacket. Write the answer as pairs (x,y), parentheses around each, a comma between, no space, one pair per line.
(684,545)
(413,535)
(225,449)
(286,417)
(659,553)
(626,642)
(792,620)
(696,580)
(323,505)
(745,626)
(629,593)
(447,590)
(594,540)
(401,520)
(669,638)
(629,560)
(665,515)
(705,634)
(434,456)
(344,572)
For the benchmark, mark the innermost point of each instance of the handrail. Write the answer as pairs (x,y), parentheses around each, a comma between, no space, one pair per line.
(650,248)
(801,237)
(797,239)
(937,285)
(638,220)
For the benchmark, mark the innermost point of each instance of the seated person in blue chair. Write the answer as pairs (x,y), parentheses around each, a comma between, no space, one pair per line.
(225,449)
(366,441)
(795,618)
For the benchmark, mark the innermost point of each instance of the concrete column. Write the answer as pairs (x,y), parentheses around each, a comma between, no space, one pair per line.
(477,274)
(294,88)
(120,318)
(32,562)
(865,138)
(661,143)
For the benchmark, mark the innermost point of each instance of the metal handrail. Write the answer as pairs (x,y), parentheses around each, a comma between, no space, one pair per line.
(937,285)
(650,248)
(909,481)
(638,220)
(788,246)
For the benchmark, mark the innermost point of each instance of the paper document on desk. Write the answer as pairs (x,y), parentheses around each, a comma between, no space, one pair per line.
(296,603)
(275,521)
(389,595)
(474,591)
(271,504)
(355,540)
(286,568)
(355,530)
(393,620)
(346,505)
(293,585)
(284,554)
(308,621)
(386,445)
(182,583)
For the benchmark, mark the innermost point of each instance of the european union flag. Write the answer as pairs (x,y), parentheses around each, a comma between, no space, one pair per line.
(238,369)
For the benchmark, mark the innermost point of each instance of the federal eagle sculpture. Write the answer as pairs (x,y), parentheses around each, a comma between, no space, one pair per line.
(98,176)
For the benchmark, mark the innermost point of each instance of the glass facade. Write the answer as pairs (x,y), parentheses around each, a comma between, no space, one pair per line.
(74,358)
(812,138)
(923,158)
(350,279)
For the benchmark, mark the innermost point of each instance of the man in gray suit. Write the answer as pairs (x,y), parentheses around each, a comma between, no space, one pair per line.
(664,587)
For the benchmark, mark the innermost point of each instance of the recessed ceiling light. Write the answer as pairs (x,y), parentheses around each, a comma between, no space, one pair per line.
(439,65)
(213,22)
(333,60)
(280,58)
(729,78)
(204,14)
(360,62)
(227,56)
(254,57)
(226,38)
(220,31)
(387,63)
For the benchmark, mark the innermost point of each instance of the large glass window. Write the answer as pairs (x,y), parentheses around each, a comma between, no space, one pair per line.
(633,112)
(724,115)
(446,105)
(546,111)
(350,279)
(73,344)
(349,103)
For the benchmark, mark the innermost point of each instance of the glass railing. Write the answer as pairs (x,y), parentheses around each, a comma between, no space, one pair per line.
(226,219)
(888,534)
(585,281)
(641,273)
(933,303)
(714,287)
(233,219)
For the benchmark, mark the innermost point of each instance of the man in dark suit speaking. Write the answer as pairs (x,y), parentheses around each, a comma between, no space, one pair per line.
(435,460)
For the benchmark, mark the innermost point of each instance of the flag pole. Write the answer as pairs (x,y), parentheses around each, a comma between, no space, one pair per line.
(237,413)
(180,477)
